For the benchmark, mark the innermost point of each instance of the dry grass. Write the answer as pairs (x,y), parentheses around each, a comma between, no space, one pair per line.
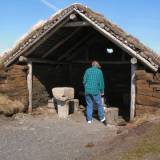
(9,107)
(146,117)
(44,110)
(148,145)
(141,119)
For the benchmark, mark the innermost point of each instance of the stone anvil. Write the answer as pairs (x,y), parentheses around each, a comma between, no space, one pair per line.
(63,93)
(62,96)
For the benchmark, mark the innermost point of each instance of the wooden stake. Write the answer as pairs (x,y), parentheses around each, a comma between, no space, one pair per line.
(29,83)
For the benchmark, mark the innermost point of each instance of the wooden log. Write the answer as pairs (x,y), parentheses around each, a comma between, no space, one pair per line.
(102,62)
(77,24)
(29,84)
(133,90)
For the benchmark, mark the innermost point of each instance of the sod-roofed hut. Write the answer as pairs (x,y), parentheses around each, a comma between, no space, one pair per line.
(57,51)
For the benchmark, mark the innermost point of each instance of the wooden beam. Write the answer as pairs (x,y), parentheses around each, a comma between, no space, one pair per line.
(29,83)
(61,42)
(36,43)
(45,61)
(102,62)
(74,47)
(118,42)
(77,24)
(133,88)
(39,60)
(69,58)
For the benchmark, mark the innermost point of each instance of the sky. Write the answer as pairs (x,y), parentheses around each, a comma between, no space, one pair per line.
(140,18)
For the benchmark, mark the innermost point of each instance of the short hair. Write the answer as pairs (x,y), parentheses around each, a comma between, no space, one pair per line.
(96,64)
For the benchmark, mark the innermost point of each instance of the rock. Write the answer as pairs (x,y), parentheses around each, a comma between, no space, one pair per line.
(63,93)
(63,109)
(112,115)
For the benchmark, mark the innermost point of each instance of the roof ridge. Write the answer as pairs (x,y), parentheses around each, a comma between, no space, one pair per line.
(97,18)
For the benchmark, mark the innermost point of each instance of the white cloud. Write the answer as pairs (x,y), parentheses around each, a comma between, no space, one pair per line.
(50,5)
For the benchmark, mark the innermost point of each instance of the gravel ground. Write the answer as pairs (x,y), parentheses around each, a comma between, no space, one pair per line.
(42,137)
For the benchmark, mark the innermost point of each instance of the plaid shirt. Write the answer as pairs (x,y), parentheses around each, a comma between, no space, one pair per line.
(93,81)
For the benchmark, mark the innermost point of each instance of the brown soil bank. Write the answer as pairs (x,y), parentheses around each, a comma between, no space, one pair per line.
(142,143)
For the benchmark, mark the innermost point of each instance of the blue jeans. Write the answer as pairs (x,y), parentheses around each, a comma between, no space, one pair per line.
(90,99)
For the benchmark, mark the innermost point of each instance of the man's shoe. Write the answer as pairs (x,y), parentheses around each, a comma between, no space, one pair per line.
(104,122)
(89,122)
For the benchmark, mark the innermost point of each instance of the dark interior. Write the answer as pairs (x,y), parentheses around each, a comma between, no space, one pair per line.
(72,58)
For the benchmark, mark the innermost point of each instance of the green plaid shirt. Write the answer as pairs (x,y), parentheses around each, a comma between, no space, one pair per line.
(93,81)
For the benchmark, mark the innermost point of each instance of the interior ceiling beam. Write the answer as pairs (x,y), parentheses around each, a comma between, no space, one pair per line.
(23,59)
(118,42)
(44,61)
(39,41)
(74,47)
(103,62)
(77,24)
(47,35)
(61,42)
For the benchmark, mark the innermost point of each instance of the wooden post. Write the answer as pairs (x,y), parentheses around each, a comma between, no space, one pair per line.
(29,83)
(133,88)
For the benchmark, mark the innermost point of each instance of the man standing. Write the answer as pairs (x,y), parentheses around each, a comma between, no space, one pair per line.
(94,87)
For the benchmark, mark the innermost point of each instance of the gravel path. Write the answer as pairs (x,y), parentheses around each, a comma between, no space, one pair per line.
(50,138)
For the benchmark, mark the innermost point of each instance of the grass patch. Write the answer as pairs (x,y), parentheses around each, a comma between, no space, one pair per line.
(9,107)
(149,144)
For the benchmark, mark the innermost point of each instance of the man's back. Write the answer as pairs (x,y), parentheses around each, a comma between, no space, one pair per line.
(93,81)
